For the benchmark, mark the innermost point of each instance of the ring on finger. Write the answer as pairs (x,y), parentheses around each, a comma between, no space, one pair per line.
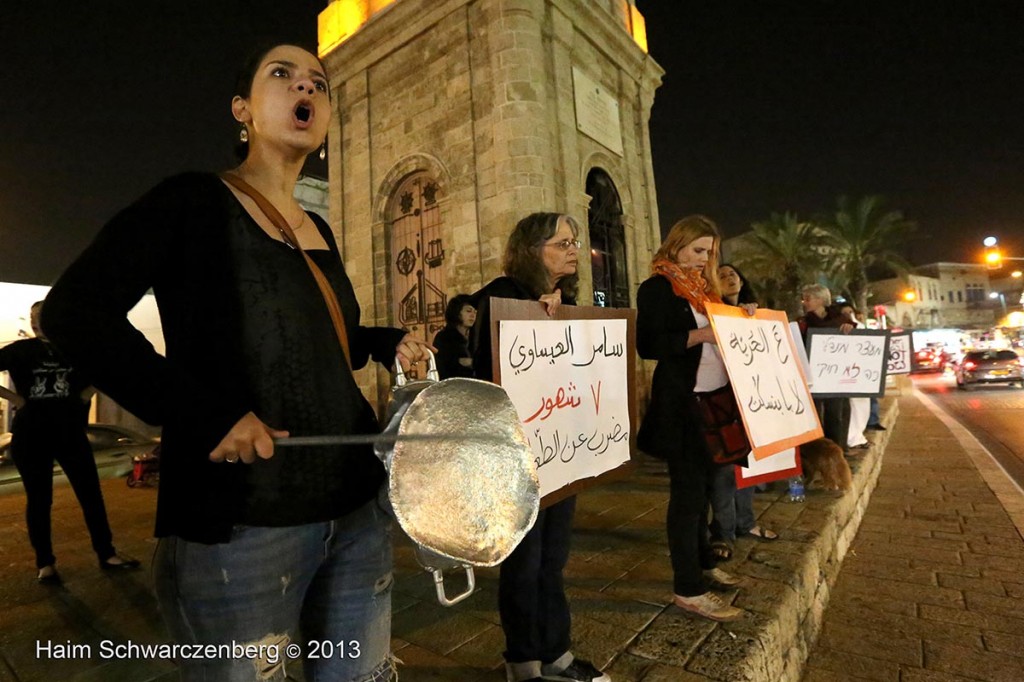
(231,460)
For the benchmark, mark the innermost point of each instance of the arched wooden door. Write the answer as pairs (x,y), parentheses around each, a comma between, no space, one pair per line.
(607,242)
(417,257)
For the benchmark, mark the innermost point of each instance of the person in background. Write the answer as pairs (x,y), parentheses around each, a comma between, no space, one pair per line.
(541,258)
(834,413)
(52,401)
(732,508)
(860,408)
(452,342)
(673,328)
(259,544)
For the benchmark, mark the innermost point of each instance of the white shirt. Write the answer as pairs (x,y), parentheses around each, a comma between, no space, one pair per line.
(711,371)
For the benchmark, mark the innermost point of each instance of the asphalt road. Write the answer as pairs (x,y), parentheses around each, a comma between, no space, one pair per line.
(993,413)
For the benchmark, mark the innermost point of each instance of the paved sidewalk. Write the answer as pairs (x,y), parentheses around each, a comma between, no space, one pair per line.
(933,586)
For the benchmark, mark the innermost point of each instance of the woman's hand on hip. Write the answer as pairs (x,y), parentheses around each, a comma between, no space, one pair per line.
(552,301)
(412,349)
(248,439)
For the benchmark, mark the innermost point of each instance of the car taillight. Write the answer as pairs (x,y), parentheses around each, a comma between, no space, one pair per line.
(970,365)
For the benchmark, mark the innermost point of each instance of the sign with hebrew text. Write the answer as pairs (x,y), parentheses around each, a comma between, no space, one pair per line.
(570,381)
(901,352)
(767,378)
(849,365)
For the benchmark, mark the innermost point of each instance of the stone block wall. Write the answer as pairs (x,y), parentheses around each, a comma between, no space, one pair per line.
(479,93)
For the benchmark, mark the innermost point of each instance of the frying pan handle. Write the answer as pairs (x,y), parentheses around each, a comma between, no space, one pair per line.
(432,374)
(439,586)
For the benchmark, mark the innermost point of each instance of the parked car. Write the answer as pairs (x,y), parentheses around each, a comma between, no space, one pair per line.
(112,446)
(990,366)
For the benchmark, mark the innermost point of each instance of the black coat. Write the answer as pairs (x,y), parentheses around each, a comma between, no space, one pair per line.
(671,424)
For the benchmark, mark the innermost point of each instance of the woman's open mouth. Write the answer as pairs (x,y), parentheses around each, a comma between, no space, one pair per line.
(303,114)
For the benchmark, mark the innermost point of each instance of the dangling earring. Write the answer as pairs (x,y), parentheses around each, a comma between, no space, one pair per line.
(323,150)
(243,134)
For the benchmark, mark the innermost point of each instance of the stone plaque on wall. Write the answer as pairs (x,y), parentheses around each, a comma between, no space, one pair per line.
(597,112)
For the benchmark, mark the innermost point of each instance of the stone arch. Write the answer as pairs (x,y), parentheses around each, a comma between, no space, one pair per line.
(403,168)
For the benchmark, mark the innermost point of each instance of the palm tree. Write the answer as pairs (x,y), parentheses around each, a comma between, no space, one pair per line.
(779,255)
(862,236)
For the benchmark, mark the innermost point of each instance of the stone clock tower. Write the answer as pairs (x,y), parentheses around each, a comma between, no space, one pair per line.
(455,118)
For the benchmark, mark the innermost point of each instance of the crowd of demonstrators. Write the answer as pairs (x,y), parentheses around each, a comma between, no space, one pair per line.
(51,398)
(834,413)
(732,508)
(540,264)
(256,350)
(452,343)
(673,328)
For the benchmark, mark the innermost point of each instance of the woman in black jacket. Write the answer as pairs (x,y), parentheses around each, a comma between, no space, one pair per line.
(673,328)
(452,342)
(259,545)
(540,265)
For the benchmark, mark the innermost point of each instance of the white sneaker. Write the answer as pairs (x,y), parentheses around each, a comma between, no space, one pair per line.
(720,580)
(709,606)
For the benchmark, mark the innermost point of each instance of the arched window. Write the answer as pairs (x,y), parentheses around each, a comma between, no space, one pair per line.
(417,257)
(607,242)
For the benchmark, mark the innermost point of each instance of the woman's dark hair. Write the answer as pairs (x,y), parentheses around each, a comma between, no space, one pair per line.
(522,253)
(746,294)
(452,311)
(246,75)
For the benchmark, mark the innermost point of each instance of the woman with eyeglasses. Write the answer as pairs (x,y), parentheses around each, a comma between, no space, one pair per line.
(540,265)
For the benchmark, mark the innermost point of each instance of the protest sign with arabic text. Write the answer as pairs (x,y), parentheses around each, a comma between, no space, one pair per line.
(571,379)
(767,378)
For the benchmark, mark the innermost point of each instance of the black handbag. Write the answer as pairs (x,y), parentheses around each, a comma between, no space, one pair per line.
(722,426)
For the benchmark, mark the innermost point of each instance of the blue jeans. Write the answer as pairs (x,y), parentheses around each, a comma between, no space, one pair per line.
(873,420)
(732,508)
(325,587)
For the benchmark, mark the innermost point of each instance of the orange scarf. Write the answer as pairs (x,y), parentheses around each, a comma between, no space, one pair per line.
(688,284)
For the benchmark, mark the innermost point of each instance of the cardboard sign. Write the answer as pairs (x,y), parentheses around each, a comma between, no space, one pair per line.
(764,369)
(572,381)
(847,365)
(901,353)
(785,464)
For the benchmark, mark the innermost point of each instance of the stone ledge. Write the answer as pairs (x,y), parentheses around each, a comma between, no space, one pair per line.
(790,581)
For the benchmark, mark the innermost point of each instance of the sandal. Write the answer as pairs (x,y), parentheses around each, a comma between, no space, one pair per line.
(721,550)
(763,534)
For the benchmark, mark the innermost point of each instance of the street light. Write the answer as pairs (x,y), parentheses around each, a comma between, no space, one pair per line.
(909,296)
(1002,299)
(1016,274)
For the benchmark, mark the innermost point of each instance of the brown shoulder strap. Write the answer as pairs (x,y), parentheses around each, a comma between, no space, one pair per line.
(289,237)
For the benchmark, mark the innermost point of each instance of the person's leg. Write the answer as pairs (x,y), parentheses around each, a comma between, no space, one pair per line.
(346,616)
(873,418)
(75,457)
(248,592)
(745,510)
(35,466)
(723,503)
(519,603)
(554,619)
(685,524)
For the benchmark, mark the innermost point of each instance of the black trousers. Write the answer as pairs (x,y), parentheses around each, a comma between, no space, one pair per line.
(34,457)
(687,520)
(531,592)
(834,414)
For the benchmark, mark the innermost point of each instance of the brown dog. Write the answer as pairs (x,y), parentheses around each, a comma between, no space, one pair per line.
(823,457)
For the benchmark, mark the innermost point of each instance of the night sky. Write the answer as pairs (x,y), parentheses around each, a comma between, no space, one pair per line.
(763,108)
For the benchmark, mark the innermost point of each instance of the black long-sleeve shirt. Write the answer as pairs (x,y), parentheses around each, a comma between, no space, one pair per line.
(246,329)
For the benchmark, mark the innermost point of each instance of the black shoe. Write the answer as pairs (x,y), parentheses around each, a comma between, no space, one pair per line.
(578,671)
(125,564)
(876,427)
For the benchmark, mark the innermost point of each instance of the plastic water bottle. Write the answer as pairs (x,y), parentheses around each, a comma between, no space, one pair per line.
(796,489)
